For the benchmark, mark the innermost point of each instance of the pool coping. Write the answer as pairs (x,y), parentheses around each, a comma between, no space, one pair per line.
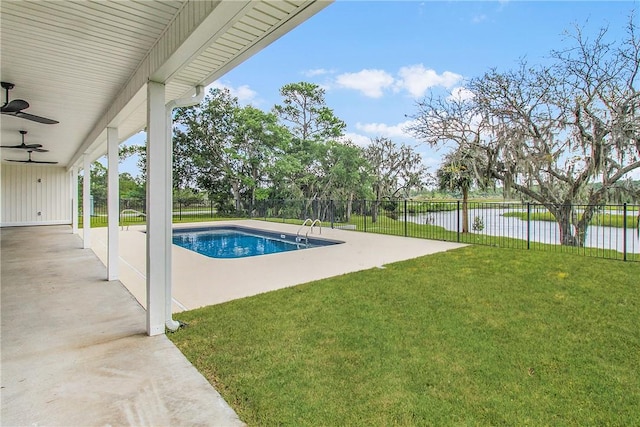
(278,236)
(199,280)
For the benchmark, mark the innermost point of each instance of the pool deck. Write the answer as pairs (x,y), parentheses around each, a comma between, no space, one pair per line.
(74,348)
(200,281)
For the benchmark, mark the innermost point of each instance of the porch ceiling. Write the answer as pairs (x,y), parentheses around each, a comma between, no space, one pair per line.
(85,63)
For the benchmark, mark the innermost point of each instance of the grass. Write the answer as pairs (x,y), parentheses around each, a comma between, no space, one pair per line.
(475,336)
(102,221)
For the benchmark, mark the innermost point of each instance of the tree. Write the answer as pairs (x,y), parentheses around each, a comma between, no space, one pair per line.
(226,149)
(458,172)
(312,125)
(551,132)
(99,181)
(126,151)
(257,139)
(130,187)
(395,170)
(342,173)
(202,139)
(305,111)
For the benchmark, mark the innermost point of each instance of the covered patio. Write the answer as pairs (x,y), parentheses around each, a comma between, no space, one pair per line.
(79,78)
(74,348)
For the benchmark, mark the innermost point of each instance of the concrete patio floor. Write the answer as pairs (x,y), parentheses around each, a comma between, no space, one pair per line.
(74,349)
(200,281)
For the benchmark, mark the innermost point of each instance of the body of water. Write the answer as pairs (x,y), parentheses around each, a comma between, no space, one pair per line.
(495,224)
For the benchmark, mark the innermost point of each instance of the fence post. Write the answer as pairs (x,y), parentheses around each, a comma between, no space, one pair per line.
(331,212)
(180,210)
(528,225)
(365,216)
(405,217)
(624,234)
(458,219)
(211,208)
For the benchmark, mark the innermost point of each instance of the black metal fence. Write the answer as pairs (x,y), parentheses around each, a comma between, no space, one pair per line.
(612,232)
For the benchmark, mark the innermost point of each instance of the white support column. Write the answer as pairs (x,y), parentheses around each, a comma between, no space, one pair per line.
(86,204)
(171,324)
(74,200)
(158,215)
(168,185)
(113,204)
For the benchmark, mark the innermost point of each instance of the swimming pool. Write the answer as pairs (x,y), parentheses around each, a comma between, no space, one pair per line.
(241,242)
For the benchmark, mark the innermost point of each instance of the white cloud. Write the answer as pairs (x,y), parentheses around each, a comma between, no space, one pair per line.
(357,139)
(244,93)
(416,79)
(389,131)
(316,72)
(460,94)
(369,82)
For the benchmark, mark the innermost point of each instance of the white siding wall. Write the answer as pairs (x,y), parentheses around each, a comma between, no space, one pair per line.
(34,195)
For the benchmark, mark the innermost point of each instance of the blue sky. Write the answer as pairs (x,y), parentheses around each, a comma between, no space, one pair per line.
(375,59)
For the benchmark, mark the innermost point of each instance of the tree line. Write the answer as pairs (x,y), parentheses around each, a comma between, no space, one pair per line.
(559,134)
(237,155)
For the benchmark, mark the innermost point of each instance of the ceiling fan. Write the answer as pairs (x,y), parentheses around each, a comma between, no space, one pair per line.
(30,160)
(23,146)
(15,107)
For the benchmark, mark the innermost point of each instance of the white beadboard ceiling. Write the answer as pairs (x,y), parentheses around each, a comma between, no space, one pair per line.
(84,63)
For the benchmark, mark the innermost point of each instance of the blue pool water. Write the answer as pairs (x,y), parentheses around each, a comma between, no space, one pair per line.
(240,242)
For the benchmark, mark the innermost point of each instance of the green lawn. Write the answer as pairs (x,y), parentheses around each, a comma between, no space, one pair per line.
(101,221)
(475,336)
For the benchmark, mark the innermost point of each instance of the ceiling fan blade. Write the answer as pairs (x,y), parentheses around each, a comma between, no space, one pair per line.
(31,161)
(31,151)
(15,106)
(32,117)
(23,146)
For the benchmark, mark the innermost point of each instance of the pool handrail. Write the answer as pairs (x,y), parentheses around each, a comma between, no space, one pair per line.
(317,221)
(310,230)
(302,226)
(130,211)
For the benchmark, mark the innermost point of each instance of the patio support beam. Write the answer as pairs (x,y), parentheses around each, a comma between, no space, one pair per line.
(113,203)
(86,203)
(158,208)
(74,200)
(171,324)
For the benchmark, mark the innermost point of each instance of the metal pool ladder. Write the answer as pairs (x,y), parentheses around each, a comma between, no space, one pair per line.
(129,212)
(310,230)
